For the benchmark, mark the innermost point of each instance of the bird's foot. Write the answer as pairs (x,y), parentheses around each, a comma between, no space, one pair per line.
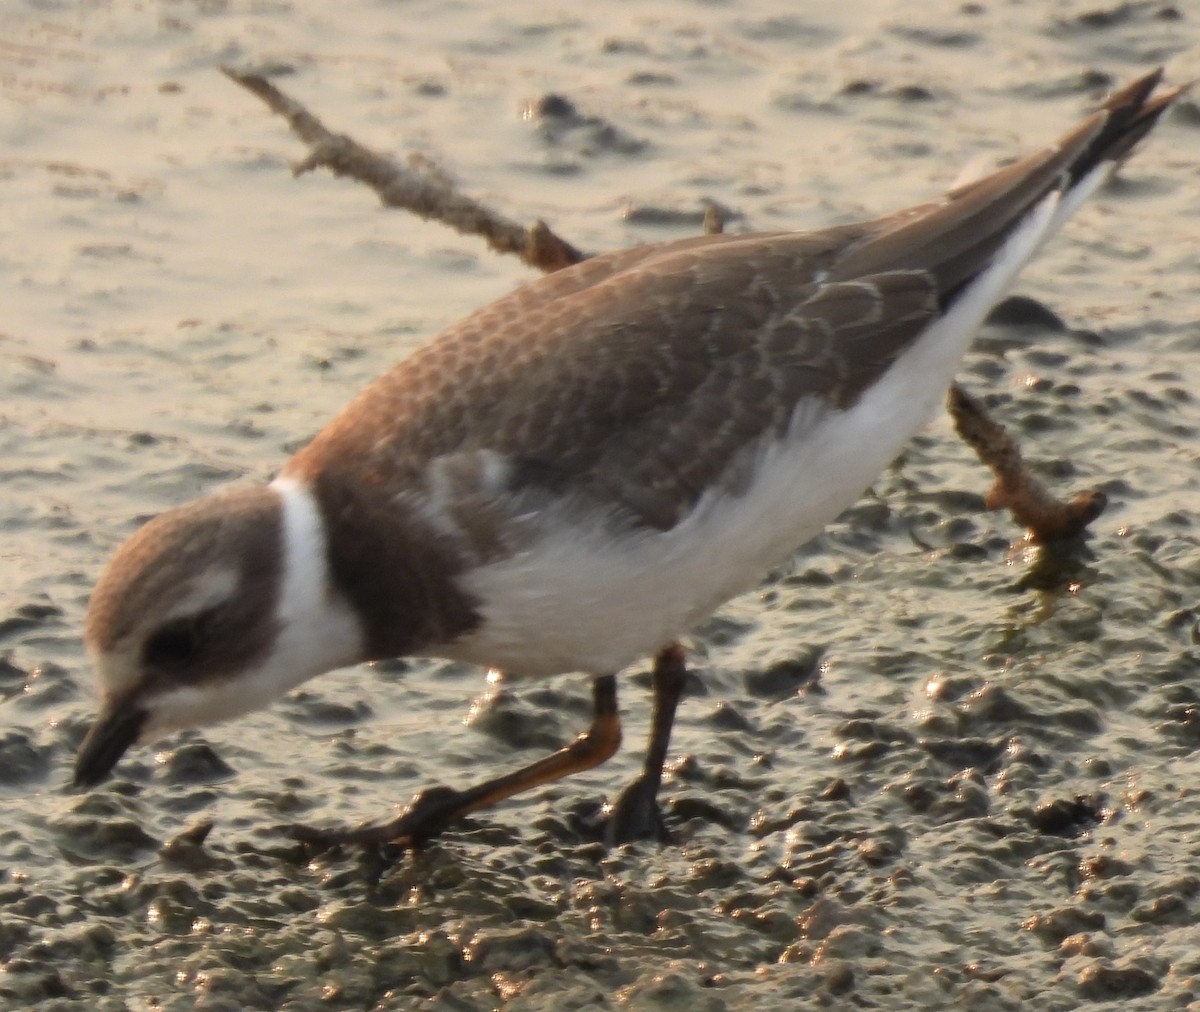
(427,816)
(635,815)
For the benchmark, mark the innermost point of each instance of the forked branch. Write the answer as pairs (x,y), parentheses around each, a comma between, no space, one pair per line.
(1046,517)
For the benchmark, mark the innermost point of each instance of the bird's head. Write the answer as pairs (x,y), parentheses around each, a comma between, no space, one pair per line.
(209,611)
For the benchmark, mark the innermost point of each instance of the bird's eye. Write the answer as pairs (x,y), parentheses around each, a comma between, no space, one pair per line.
(174,643)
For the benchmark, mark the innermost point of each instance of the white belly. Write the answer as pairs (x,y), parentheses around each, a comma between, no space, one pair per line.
(580,600)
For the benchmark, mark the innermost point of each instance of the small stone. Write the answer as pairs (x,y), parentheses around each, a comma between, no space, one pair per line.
(1163,910)
(1022,311)
(820,919)
(196,763)
(1103,982)
(22,762)
(1085,944)
(847,942)
(553,105)
(1102,866)
(1055,925)
(509,950)
(1063,817)
(785,678)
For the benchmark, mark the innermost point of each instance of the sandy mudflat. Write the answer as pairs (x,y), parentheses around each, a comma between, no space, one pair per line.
(987,796)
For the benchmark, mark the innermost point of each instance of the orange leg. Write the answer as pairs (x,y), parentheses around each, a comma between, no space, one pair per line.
(433,810)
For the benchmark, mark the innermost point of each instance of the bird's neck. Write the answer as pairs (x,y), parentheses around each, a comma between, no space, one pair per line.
(378,559)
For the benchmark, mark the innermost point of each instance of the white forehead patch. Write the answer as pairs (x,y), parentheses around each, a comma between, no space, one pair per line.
(212,587)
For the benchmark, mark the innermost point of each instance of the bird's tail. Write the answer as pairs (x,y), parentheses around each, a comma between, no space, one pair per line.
(958,237)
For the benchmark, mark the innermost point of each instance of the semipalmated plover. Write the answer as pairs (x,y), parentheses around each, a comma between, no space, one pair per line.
(577,474)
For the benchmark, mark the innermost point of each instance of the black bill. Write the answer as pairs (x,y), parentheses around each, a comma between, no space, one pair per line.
(114,731)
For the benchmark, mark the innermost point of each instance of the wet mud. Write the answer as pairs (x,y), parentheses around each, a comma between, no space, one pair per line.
(925,765)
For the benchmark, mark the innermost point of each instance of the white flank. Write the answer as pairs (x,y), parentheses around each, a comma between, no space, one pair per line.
(580,600)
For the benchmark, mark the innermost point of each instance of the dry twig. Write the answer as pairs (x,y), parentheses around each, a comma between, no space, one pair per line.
(423,191)
(1016,489)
